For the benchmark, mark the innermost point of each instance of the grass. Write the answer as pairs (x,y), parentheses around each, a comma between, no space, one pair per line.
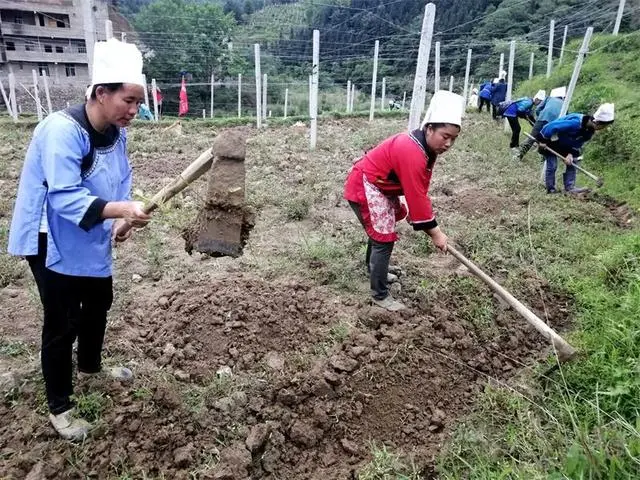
(386,465)
(581,421)
(90,406)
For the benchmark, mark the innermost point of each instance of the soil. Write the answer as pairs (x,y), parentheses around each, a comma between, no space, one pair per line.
(244,371)
(223,224)
(294,404)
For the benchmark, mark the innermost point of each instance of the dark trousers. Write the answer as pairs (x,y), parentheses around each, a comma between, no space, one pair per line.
(483,102)
(528,143)
(514,123)
(74,307)
(377,261)
(494,111)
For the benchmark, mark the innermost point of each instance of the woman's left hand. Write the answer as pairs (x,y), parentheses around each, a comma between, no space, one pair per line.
(114,229)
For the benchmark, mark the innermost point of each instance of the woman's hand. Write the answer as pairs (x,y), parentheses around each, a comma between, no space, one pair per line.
(117,226)
(133,212)
(438,238)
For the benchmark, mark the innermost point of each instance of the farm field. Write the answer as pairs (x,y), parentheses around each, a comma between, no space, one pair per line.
(274,365)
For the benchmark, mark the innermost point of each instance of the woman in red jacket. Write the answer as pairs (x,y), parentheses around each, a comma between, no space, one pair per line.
(401,165)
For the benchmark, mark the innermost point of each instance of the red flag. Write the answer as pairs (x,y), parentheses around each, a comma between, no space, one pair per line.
(184,103)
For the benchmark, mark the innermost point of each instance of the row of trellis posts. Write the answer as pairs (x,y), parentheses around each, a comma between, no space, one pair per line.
(418,98)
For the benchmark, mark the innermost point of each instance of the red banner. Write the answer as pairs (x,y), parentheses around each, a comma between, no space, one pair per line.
(184,102)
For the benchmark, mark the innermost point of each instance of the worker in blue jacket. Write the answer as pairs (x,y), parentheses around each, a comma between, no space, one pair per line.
(514,111)
(73,199)
(498,93)
(567,136)
(547,111)
(485,96)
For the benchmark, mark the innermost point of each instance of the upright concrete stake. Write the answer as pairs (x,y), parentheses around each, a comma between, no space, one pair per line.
(420,81)
(466,77)
(436,75)
(286,101)
(552,27)
(373,80)
(45,81)
(256,52)
(239,95)
(383,93)
(564,43)
(36,96)
(211,104)
(584,49)
(264,96)
(531,66)
(616,27)
(315,69)
(154,90)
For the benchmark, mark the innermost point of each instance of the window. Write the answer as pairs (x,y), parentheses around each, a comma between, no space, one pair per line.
(18,18)
(70,70)
(10,46)
(30,47)
(43,69)
(59,49)
(82,49)
(41,19)
(48,48)
(60,24)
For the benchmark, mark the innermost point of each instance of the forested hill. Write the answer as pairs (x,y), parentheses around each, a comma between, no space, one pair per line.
(349,29)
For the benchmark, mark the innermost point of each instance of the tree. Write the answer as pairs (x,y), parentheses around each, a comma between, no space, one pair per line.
(183,35)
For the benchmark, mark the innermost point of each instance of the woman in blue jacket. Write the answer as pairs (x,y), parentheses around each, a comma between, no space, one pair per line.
(75,181)
(567,136)
(513,111)
(485,96)
(498,94)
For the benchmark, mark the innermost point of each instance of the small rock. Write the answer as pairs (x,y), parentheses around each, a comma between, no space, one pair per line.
(304,434)
(274,361)
(8,381)
(350,447)
(234,463)
(331,377)
(11,292)
(163,302)
(224,371)
(182,375)
(135,278)
(258,437)
(36,473)
(343,364)
(239,398)
(357,351)
(183,456)
(367,340)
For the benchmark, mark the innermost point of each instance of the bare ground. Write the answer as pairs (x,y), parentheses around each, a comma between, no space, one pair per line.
(273,365)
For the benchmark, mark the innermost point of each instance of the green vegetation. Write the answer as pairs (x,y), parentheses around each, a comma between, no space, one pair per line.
(582,420)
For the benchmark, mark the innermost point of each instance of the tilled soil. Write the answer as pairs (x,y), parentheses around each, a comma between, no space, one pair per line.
(278,380)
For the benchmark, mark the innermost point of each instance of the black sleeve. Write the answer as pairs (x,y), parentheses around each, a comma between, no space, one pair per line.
(425,225)
(93,215)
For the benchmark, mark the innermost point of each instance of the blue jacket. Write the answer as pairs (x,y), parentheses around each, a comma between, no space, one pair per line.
(485,91)
(499,92)
(78,240)
(519,108)
(567,134)
(549,110)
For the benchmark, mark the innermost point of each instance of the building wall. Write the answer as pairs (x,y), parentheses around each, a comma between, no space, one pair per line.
(49,35)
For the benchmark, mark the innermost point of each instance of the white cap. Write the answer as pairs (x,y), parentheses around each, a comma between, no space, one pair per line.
(445,107)
(541,95)
(559,92)
(496,80)
(116,62)
(605,113)
(503,75)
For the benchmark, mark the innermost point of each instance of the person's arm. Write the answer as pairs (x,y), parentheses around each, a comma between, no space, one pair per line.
(412,173)
(62,148)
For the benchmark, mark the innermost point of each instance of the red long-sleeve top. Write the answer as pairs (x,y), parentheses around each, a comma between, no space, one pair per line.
(400,165)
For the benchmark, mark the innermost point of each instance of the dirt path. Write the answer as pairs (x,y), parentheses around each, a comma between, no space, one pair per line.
(272,365)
